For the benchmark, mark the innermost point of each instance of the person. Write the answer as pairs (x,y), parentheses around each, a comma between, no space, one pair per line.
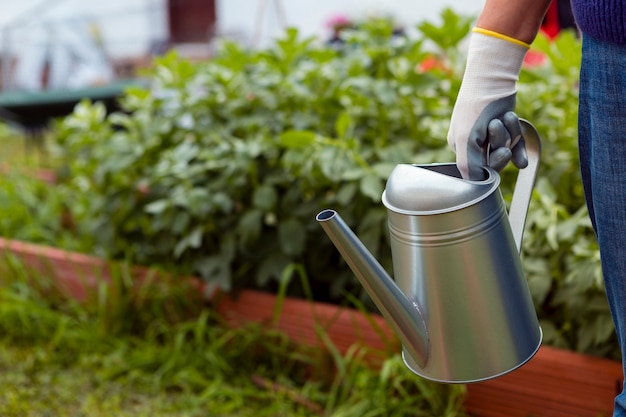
(485,130)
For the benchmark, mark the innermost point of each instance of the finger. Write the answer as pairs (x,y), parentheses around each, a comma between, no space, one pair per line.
(513,126)
(498,135)
(499,158)
(474,159)
(519,156)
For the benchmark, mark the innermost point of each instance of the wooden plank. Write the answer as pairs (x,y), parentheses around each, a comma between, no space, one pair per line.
(78,275)
(302,320)
(555,383)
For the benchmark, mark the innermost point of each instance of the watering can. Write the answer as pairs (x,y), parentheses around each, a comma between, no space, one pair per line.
(460,304)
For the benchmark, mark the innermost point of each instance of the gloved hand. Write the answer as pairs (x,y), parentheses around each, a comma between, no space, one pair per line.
(484,130)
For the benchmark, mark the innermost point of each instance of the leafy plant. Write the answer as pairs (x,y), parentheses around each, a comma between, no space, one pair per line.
(33,210)
(220,168)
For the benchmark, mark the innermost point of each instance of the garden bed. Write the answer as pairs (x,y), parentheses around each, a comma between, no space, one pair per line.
(76,275)
(555,383)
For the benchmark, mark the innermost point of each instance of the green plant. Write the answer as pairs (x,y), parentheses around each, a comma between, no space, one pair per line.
(35,211)
(19,150)
(220,168)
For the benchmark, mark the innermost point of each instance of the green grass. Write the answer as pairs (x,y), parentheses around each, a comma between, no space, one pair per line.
(18,152)
(128,355)
(34,385)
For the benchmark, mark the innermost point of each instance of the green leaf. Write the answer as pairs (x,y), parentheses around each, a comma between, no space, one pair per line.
(346,193)
(215,269)
(157,207)
(540,281)
(271,268)
(182,219)
(249,226)
(292,237)
(383,169)
(333,162)
(198,201)
(371,186)
(343,125)
(297,138)
(264,197)
(191,240)
(453,29)
(371,228)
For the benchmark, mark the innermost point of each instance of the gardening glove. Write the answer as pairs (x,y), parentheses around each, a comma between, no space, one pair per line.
(484,130)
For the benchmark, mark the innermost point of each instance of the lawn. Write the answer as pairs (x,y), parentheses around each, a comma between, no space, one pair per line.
(18,151)
(36,383)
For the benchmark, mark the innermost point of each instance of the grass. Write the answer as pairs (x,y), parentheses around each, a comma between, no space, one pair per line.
(34,385)
(16,150)
(160,354)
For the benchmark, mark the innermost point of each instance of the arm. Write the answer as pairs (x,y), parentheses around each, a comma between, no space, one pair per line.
(519,19)
(484,130)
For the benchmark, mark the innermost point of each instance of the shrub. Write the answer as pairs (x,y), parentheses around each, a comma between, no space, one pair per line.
(33,211)
(220,168)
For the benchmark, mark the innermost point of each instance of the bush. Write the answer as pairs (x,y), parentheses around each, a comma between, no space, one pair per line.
(220,167)
(32,210)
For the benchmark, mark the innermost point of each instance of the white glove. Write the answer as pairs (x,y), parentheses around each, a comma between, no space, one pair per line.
(483,129)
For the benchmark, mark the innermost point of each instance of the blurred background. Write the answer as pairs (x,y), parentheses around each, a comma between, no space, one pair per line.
(64,44)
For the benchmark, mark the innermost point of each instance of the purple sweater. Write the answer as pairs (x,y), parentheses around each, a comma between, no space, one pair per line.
(604,20)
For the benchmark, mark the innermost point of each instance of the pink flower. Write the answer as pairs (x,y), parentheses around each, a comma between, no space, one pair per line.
(337,21)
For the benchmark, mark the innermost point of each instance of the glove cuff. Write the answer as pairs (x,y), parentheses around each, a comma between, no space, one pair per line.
(493,65)
(500,36)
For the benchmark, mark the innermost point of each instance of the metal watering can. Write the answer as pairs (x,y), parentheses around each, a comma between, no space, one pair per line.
(460,304)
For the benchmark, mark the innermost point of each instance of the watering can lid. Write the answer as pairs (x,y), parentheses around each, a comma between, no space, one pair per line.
(434,188)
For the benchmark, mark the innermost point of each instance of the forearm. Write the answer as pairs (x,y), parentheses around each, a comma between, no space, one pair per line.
(519,19)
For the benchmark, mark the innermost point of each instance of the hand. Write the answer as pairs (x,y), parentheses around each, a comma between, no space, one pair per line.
(506,143)
(484,130)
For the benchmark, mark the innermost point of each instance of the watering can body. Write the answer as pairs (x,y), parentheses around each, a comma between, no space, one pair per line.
(459,303)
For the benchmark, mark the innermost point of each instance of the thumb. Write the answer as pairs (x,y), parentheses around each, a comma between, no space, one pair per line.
(473,159)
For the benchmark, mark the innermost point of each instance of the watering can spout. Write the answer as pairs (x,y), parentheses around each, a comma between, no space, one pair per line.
(402,313)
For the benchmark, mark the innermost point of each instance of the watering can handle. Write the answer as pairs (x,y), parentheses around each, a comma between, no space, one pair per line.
(525,183)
